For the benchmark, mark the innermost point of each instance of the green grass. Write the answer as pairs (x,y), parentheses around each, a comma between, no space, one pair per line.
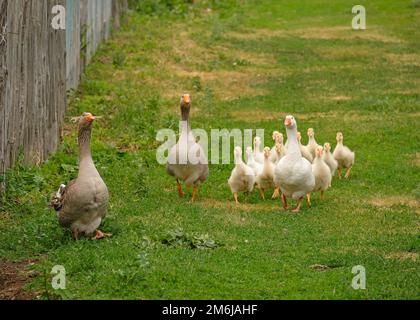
(246,67)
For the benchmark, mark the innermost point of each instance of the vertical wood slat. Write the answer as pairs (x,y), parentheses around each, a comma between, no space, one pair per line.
(38,65)
(3,80)
(72,43)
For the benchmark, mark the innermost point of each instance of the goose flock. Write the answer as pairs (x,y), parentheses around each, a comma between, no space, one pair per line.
(290,169)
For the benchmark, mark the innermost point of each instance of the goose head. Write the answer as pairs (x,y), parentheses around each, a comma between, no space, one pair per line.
(277,136)
(339,137)
(185,100)
(86,120)
(327,147)
(290,122)
(266,151)
(319,151)
(298,136)
(311,133)
(185,106)
(257,143)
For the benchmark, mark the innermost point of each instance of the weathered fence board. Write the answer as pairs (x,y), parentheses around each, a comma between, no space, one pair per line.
(3,77)
(39,64)
(72,43)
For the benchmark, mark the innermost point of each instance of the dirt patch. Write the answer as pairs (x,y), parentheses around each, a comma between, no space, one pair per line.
(13,277)
(238,83)
(403,255)
(345,32)
(417,159)
(348,52)
(404,58)
(257,34)
(409,92)
(327,33)
(412,158)
(340,98)
(259,59)
(395,200)
(257,116)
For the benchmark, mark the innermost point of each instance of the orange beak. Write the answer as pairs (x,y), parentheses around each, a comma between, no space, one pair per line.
(89,117)
(287,122)
(186,98)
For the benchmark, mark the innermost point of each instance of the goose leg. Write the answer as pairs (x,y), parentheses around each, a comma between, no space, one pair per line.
(339,173)
(348,173)
(299,203)
(308,199)
(262,194)
(99,235)
(180,192)
(75,234)
(276,193)
(284,202)
(322,195)
(194,193)
(235,196)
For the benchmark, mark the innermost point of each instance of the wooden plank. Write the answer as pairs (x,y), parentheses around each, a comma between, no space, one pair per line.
(72,43)
(3,80)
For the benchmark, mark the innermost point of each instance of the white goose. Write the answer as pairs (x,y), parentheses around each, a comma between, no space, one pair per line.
(312,144)
(293,174)
(242,178)
(187,161)
(278,150)
(255,166)
(265,180)
(258,155)
(343,155)
(322,174)
(329,159)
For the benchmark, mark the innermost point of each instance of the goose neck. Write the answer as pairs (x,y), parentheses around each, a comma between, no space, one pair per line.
(293,144)
(84,143)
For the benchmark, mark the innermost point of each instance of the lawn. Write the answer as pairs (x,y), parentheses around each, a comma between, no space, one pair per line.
(247,64)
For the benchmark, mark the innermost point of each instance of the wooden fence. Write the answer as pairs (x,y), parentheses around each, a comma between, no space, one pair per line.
(38,64)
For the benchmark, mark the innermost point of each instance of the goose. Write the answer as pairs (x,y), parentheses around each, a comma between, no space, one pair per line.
(255,166)
(322,174)
(258,155)
(343,155)
(265,178)
(312,144)
(83,202)
(303,149)
(278,150)
(329,159)
(242,178)
(187,161)
(277,136)
(281,152)
(293,173)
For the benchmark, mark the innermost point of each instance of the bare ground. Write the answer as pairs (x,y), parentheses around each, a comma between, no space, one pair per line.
(13,278)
